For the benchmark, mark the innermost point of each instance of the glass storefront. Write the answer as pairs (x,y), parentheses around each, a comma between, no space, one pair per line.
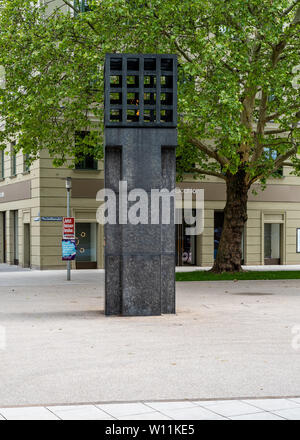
(185,245)
(86,242)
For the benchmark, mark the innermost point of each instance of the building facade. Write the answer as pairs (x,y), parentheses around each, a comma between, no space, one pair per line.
(33,202)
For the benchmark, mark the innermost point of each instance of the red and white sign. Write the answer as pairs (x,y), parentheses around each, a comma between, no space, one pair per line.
(69,227)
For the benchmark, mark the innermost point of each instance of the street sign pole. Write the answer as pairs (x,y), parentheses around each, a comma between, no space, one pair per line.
(68,186)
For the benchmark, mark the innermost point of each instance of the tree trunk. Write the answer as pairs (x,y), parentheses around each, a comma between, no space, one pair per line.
(229,255)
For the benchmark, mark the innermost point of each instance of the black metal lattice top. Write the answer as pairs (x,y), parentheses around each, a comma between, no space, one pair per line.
(140,90)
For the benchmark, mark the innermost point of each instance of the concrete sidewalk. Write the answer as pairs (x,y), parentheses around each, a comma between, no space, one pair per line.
(254,409)
(283,267)
(11,268)
(227,340)
(78,275)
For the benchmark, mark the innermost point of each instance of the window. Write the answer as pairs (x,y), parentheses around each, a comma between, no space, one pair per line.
(13,158)
(1,164)
(82,6)
(26,165)
(84,161)
(272,155)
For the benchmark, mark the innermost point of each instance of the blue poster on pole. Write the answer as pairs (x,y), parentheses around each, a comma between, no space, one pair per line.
(68,249)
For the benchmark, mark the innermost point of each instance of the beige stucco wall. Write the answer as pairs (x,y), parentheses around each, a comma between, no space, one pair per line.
(54,203)
(27,209)
(48,198)
(260,210)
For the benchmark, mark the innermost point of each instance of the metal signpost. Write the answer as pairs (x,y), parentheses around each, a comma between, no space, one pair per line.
(66,232)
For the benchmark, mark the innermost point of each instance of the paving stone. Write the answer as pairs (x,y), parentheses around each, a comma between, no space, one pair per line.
(229,408)
(272,404)
(193,413)
(80,412)
(124,409)
(289,414)
(257,416)
(28,413)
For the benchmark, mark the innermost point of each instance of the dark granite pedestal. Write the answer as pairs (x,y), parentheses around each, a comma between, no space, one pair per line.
(140,258)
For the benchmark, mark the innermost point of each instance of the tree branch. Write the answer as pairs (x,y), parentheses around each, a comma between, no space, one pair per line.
(181,51)
(275,144)
(206,172)
(281,159)
(268,132)
(76,10)
(70,6)
(260,127)
(211,153)
(290,8)
(277,114)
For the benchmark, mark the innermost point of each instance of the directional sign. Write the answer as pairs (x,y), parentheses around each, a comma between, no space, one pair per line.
(69,227)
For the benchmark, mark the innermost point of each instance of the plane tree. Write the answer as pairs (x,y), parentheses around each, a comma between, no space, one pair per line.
(239,64)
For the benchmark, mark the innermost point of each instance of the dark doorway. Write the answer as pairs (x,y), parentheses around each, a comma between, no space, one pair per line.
(218,227)
(185,245)
(27,259)
(3,237)
(86,242)
(16,237)
(272,243)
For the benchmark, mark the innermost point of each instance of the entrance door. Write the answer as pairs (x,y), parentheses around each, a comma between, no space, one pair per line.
(16,237)
(3,238)
(27,261)
(272,243)
(185,245)
(86,242)
(218,227)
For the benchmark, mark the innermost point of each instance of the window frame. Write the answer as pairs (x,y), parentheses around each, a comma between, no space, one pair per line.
(83,167)
(2,169)
(13,160)
(26,166)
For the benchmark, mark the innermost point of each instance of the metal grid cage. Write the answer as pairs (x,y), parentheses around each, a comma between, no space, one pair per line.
(140,90)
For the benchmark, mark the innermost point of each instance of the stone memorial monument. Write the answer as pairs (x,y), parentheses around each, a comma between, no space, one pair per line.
(140,142)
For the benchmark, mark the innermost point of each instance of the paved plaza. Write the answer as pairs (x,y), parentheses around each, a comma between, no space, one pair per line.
(228,340)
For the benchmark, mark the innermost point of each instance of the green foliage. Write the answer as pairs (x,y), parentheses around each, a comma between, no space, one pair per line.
(237,61)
